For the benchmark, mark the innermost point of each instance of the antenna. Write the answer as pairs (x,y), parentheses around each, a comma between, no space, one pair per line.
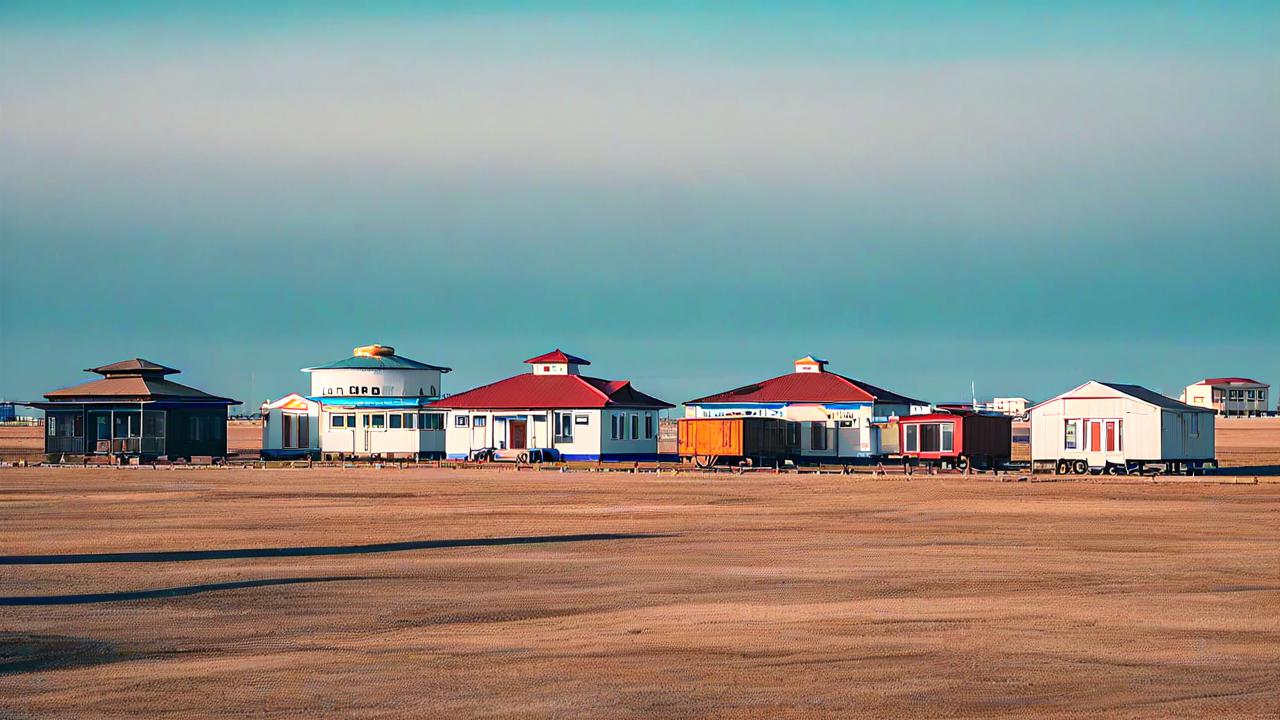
(973,394)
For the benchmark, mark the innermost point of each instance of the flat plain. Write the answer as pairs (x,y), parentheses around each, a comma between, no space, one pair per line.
(439,593)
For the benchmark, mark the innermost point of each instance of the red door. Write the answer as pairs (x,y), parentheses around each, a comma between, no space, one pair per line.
(516,431)
(1111,437)
(1095,436)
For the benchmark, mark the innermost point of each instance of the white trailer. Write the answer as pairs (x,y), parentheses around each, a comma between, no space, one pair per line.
(1119,429)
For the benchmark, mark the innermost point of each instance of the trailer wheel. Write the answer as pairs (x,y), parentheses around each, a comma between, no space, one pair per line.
(1080,467)
(522,457)
(1063,468)
(962,463)
(1113,469)
(704,461)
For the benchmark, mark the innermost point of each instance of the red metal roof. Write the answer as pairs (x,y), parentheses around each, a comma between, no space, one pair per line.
(534,392)
(824,387)
(558,356)
(1230,381)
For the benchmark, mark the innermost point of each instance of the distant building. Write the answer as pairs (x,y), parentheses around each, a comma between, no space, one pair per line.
(1229,396)
(134,410)
(8,412)
(555,408)
(837,418)
(1119,428)
(372,404)
(1009,405)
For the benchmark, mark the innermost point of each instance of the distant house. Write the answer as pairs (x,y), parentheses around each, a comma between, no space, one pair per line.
(1009,405)
(371,404)
(837,418)
(134,410)
(554,407)
(1119,429)
(1229,396)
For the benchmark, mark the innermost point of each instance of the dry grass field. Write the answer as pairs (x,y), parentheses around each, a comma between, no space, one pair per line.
(537,594)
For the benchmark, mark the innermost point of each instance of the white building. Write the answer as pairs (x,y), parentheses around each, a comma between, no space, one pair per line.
(1009,405)
(1229,396)
(1116,428)
(838,418)
(557,409)
(372,404)
(291,427)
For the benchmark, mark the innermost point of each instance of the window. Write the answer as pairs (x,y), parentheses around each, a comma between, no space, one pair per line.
(460,421)
(195,424)
(375,421)
(564,426)
(288,436)
(648,426)
(337,421)
(1193,424)
(1071,439)
(397,421)
(615,426)
(635,427)
(948,430)
(818,436)
(930,438)
(408,421)
(479,421)
(1250,394)
(581,420)
(913,438)
(431,421)
(65,425)
(793,434)
(304,431)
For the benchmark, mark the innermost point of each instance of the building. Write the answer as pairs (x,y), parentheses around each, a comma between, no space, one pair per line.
(1117,428)
(134,410)
(1015,406)
(958,439)
(1229,396)
(554,408)
(8,412)
(291,428)
(839,419)
(372,404)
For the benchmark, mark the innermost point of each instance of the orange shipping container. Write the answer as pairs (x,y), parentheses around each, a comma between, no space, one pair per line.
(709,440)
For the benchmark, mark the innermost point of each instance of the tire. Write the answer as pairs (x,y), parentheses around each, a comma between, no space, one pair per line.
(1063,468)
(962,463)
(1080,467)
(522,458)
(1113,469)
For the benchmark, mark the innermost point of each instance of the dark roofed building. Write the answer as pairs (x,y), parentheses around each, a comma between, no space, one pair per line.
(135,410)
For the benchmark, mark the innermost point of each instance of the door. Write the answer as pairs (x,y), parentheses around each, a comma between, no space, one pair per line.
(517,434)
(99,432)
(1095,436)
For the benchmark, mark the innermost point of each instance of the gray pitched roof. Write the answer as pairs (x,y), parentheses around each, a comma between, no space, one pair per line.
(377,362)
(1151,396)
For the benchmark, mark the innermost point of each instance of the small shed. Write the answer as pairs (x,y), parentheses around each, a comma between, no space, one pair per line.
(1119,429)
(291,428)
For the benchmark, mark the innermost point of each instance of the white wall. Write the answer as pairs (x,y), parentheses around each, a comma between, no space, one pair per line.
(362,440)
(592,439)
(381,383)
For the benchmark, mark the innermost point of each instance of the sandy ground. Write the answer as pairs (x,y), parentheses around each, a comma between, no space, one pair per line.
(732,596)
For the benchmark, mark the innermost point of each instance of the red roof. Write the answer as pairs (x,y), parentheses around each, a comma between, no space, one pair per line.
(1230,381)
(558,356)
(535,392)
(821,387)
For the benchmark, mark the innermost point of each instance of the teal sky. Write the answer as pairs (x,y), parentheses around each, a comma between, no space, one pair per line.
(1025,195)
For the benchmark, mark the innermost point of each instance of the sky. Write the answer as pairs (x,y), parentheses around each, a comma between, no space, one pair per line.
(1018,195)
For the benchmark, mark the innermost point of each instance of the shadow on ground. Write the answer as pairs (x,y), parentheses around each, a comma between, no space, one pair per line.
(164,592)
(235,554)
